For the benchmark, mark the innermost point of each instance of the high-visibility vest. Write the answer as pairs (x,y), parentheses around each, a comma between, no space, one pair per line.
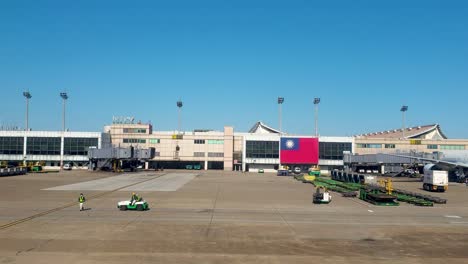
(81,199)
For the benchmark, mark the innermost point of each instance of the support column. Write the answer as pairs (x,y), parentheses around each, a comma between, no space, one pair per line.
(62,145)
(25,147)
(206,164)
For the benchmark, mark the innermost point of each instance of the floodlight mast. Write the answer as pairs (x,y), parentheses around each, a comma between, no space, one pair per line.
(280,103)
(179,105)
(316,103)
(28,96)
(64,97)
(403,110)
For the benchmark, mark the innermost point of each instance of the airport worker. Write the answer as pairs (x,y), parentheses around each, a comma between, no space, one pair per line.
(81,200)
(134,198)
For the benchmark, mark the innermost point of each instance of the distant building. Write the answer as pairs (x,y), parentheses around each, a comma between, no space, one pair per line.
(426,139)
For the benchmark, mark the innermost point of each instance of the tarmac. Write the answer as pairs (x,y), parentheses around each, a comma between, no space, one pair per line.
(218,217)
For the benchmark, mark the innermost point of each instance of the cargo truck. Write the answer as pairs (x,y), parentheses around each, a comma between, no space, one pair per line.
(435,180)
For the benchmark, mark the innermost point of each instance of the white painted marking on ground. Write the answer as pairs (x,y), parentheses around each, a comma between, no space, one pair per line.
(167,183)
(370,211)
(453,216)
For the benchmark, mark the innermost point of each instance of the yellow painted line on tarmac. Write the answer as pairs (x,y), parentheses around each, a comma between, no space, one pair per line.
(19,221)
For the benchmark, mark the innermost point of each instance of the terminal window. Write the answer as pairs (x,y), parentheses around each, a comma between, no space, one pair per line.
(199,141)
(134,130)
(78,146)
(215,141)
(134,140)
(432,146)
(333,150)
(262,149)
(154,141)
(389,145)
(215,154)
(43,146)
(452,147)
(369,145)
(199,154)
(11,145)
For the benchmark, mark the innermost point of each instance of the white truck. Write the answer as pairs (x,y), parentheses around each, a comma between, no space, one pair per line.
(435,180)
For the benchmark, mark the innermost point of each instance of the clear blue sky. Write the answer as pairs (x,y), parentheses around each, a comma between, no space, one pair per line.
(229,60)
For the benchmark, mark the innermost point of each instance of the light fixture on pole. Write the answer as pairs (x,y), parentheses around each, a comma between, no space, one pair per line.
(28,96)
(179,105)
(64,99)
(403,110)
(280,102)
(316,103)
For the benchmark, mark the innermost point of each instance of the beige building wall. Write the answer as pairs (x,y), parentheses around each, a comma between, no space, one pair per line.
(193,146)
(228,147)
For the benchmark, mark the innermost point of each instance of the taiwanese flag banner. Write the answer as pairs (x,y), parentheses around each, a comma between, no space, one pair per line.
(299,150)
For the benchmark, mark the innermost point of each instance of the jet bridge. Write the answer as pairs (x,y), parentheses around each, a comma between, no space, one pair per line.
(118,158)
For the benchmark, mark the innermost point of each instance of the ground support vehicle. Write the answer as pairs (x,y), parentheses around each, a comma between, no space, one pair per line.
(321,196)
(127,205)
(435,180)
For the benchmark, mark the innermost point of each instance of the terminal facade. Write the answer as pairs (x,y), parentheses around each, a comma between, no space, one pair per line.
(254,150)
(51,147)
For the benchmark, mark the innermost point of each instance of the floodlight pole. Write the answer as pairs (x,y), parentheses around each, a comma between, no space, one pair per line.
(403,110)
(280,103)
(28,96)
(179,105)
(64,97)
(316,103)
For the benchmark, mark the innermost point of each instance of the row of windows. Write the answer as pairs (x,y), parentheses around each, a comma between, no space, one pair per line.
(199,141)
(452,147)
(216,141)
(134,140)
(43,146)
(11,145)
(262,149)
(445,147)
(78,146)
(134,130)
(154,141)
(369,145)
(199,154)
(333,150)
(215,154)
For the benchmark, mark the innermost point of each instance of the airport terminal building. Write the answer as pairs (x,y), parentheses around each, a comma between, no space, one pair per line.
(257,149)
(51,147)
(254,150)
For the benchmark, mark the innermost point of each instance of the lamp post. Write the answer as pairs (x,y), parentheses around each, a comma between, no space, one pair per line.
(64,97)
(403,110)
(316,103)
(280,102)
(179,105)
(28,96)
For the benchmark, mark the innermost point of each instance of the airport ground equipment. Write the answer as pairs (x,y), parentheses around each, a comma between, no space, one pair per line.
(127,205)
(314,171)
(13,171)
(117,158)
(435,180)
(321,196)
(375,196)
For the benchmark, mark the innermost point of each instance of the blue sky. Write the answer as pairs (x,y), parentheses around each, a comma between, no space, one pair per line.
(229,61)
